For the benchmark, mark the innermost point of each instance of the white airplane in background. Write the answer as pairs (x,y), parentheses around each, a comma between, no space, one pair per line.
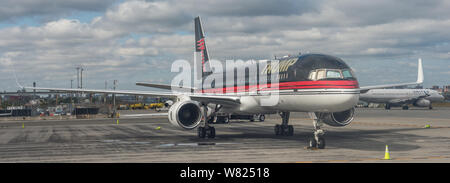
(403,97)
(322,85)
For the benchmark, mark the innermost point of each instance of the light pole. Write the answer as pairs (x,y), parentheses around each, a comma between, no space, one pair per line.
(71,100)
(33,108)
(78,77)
(81,77)
(114,99)
(78,84)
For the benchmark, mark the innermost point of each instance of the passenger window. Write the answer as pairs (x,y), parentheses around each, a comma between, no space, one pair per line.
(312,75)
(321,74)
(347,74)
(333,74)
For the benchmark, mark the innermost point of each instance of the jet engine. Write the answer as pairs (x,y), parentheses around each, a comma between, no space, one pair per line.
(186,114)
(422,103)
(338,118)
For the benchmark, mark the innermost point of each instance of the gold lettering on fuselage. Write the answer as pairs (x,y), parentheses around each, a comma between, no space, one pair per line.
(281,66)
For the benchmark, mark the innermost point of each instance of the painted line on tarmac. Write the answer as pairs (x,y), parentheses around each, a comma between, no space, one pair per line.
(376,159)
(396,124)
(143,115)
(197,144)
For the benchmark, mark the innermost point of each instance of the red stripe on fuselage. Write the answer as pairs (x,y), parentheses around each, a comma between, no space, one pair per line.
(343,84)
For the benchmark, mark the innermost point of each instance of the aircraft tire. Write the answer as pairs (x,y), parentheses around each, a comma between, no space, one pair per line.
(290,130)
(312,143)
(201,132)
(262,117)
(211,132)
(321,143)
(277,130)
(226,119)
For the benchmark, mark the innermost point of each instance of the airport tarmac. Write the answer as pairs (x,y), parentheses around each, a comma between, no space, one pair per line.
(151,138)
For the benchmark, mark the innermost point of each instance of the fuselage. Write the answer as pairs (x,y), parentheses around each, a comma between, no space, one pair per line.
(399,95)
(306,83)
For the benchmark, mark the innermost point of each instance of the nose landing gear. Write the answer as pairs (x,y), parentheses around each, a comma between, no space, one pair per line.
(317,141)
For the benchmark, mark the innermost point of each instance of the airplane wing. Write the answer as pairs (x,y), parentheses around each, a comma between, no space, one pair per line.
(207,98)
(364,89)
(127,92)
(162,86)
(217,99)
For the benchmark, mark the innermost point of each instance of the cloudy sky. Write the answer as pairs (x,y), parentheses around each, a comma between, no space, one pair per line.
(137,40)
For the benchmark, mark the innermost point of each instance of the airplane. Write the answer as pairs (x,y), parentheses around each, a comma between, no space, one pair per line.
(403,97)
(322,85)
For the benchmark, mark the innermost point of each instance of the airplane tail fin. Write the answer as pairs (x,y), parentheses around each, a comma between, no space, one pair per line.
(17,80)
(419,81)
(419,72)
(200,48)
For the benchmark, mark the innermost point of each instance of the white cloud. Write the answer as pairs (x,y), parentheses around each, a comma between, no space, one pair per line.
(142,16)
(15,9)
(139,36)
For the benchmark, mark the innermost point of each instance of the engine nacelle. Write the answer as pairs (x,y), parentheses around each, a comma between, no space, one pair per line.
(339,118)
(186,114)
(422,103)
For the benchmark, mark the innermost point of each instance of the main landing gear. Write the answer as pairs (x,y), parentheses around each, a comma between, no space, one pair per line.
(284,129)
(317,141)
(206,131)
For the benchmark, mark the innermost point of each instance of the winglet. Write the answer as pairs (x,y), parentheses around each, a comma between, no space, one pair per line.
(420,72)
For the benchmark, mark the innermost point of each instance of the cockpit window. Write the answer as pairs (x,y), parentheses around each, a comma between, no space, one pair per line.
(334,74)
(320,75)
(312,75)
(347,74)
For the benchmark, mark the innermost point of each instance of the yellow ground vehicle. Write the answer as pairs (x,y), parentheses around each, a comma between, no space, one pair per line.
(142,106)
(137,106)
(156,105)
